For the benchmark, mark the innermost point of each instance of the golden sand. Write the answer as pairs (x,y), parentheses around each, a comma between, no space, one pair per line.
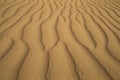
(59,39)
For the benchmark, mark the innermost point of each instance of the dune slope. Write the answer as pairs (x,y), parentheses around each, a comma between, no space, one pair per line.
(59,39)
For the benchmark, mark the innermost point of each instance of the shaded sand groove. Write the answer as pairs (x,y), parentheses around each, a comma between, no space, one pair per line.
(59,40)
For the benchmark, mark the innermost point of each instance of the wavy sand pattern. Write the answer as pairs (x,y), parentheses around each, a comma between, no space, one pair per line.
(59,39)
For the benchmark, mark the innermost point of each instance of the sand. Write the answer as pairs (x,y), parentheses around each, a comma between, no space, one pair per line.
(59,39)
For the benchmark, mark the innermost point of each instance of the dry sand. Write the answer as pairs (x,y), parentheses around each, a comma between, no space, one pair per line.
(59,39)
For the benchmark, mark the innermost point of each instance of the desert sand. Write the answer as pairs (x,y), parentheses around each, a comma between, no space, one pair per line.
(59,39)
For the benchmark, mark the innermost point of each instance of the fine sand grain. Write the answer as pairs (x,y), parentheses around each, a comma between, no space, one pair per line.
(59,39)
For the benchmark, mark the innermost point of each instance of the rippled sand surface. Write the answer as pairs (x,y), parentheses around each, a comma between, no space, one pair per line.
(59,39)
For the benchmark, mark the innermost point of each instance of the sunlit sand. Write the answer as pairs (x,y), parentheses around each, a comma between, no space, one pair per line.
(59,39)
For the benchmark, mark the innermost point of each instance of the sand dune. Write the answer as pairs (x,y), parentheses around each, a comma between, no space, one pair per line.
(59,39)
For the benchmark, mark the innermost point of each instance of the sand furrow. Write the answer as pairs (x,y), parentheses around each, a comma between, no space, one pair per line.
(117,38)
(6,18)
(105,43)
(9,8)
(4,53)
(5,7)
(107,18)
(16,20)
(86,27)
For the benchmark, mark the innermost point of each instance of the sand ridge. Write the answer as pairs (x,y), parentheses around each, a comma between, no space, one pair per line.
(59,40)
